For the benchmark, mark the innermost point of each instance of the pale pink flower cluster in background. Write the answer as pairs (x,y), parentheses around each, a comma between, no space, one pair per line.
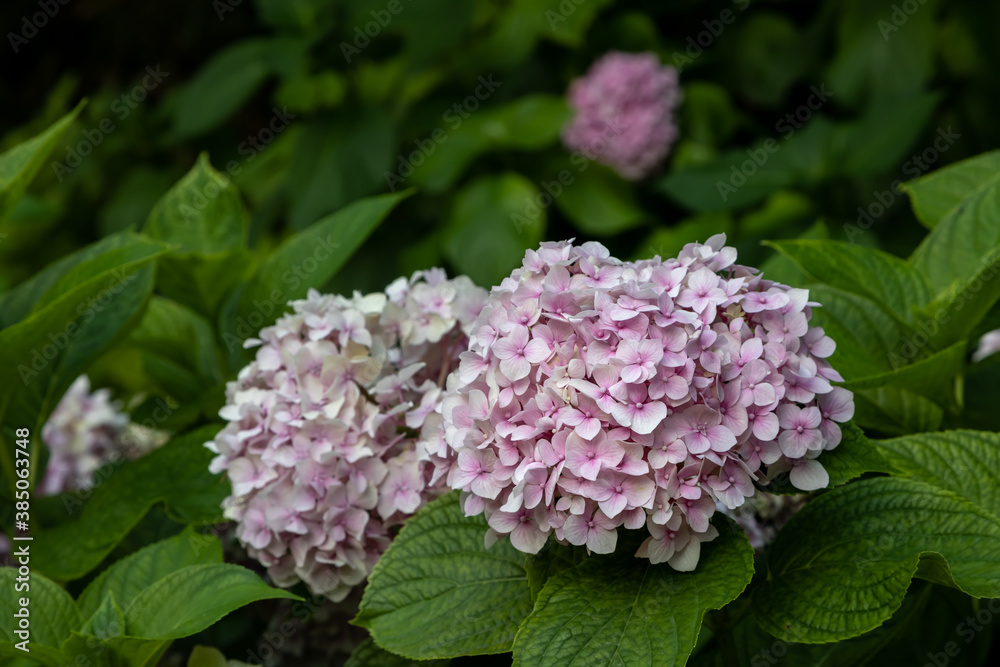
(334,432)
(763,515)
(597,394)
(81,434)
(988,345)
(624,109)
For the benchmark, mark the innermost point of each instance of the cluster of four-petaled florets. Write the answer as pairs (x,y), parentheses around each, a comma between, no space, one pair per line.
(583,395)
(597,394)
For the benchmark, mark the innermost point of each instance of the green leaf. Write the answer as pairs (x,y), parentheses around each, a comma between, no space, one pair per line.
(229,79)
(339,161)
(437,592)
(939,193)
(368,654)
(105,619)
(935,377)
(669,241)
(842,565)
(201,213)
(310,258)
(175,338)
(895,411)
(493,221)
(193,598)
(853,457)
(175,474)
(596,200)
(62,275)
(550,561)
(52,613)
(877,275)
(966,462)
(773,55)
(956,248)
(128,577)
(622,611)
(20,164)
(529,123)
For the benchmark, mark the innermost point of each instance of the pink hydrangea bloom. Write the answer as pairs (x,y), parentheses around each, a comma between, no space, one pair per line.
(335,433)
(84,431)
(988,345)
(597,394)
(624,113)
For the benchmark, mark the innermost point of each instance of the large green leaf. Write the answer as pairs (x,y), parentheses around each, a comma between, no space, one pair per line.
(175,474)
(310,258)
(966,462)
(128,577)
(595,199)
(622,611)
(52,614)
(492,222)
(89,262)
(882,277)
(842,565)
(937,194)
(19,164)
(437,592)
(192,598)
(895,411)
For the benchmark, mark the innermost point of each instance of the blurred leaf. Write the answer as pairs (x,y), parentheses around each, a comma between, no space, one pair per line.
(338,161)
(895,411)
(229,79)
(133,199)
(773,54)
(202,213)
(596,200)
(529,123)
(19,164)
(494,220)
(707,114)
(939,193)
(308,259)
(780,211)
(291,14)
(879,140)
(175,474)
(89,262)
(669,241)
(881,50)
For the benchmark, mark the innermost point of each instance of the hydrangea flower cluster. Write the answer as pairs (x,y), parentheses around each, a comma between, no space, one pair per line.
(598,393)
(624,113)
(334,433)
(82,433)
